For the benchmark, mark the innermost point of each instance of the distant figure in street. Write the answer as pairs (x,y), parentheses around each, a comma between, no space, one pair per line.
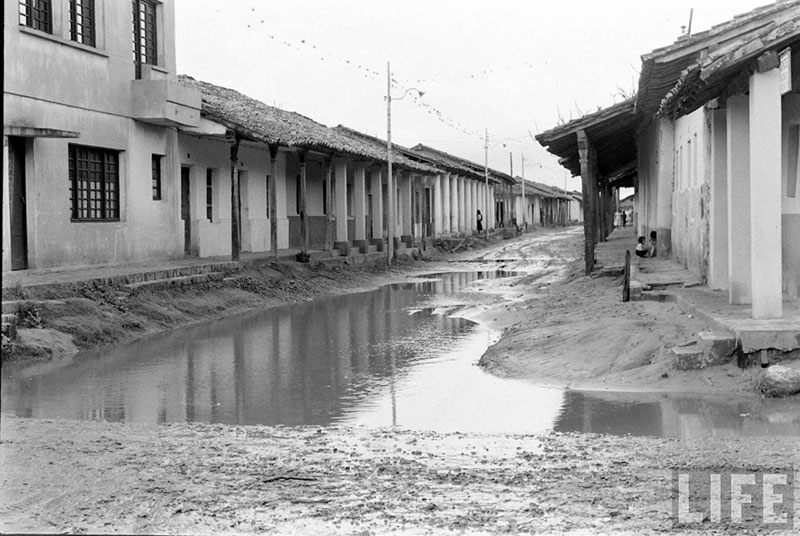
(641,248)
(652,245)
(618,219)
(480,221)
(624,217)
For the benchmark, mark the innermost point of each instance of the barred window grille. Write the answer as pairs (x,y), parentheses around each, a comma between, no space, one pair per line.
(144,14)
(144,34)
(82,22)
(94,183)
(36,14)
(156,166)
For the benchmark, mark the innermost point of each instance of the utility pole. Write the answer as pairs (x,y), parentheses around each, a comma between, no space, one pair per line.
(486,178)
(511,172)
(389,182)
(524,205)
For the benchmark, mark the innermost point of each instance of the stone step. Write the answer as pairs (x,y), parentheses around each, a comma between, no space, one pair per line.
(181,281)
(9,318)
(711,348)
(688,357)
(10,307)
(332,261)
(372,249)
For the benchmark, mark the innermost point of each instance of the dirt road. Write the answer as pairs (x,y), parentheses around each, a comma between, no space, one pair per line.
(79,477)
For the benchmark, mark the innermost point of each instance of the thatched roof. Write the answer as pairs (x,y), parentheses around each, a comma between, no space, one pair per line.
(257,121)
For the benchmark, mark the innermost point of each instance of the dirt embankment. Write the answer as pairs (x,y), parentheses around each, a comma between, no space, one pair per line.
(578,333)
(68,318)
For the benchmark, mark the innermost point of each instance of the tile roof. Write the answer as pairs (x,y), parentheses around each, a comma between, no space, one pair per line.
(458,165)
(401,156)
(670,73)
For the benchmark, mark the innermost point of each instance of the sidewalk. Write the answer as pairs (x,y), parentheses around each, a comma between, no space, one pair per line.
(664,279)
(133,272)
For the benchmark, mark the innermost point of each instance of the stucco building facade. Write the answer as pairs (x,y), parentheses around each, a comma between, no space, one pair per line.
(91,109)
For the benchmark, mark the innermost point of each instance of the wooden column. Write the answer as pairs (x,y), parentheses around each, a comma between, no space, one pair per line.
(236,232)
(590,199)
(329,204)
(303,255)
(273,200)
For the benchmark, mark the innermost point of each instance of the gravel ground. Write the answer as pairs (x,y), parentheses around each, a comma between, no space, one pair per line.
(90,477)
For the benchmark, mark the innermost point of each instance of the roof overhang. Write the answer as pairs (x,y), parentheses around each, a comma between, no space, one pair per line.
(33,132)
(727,71)
(671,72)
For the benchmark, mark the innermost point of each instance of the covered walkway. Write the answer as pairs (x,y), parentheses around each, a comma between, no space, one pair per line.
(665,280)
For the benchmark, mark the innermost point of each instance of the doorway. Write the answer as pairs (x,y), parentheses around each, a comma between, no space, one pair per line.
(17,209)
(186,210)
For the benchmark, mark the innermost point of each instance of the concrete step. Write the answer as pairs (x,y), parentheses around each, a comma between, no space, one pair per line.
(181,281)
(9,318)
(711,348)
(372,249)
(718,347)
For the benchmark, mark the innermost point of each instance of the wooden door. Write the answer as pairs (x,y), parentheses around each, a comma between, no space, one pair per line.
(17,208)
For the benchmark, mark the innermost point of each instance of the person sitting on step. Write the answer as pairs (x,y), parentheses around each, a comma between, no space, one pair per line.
(641,248)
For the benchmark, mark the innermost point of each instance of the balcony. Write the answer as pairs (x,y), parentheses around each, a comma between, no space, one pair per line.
(162,101)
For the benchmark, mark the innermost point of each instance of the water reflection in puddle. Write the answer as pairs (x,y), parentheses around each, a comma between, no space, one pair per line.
(378,358)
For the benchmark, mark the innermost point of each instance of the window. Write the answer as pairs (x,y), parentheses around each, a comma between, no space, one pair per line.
(209,194)
(36,14)
(93,183)
(156,165)
(144,34)
(81,21)
(793,171)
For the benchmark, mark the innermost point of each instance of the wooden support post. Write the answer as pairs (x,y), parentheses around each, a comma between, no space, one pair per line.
(303,255)
(590,199)
(236,214)
(329,204)
(273,200)
(626,284)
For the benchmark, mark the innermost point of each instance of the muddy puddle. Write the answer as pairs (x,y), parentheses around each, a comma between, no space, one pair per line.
(396,356)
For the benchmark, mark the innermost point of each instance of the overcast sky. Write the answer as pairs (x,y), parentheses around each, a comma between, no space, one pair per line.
(511,67)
